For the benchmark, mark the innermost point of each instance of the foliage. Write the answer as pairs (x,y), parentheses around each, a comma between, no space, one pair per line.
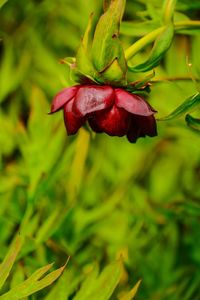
(121,212)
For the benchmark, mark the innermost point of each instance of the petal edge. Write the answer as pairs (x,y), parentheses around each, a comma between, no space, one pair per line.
(132,103)
(114,121)
(141,126)
(63,97)
(72,122)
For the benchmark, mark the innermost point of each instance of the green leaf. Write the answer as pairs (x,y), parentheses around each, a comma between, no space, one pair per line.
(106,45)
(103,287)
(9,70)
(49,226)
(88,285)
(18,275)
(2,2)
(189,104)
(33,283)
(83,61)
(113,74)
(9,260)
(161,45)
(130,295)
(193,208)
(193,123)
(37,139)
(65,286)
(143,82)
(78,163)
(39,273)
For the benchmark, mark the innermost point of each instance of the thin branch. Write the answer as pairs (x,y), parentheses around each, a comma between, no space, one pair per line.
(178,78)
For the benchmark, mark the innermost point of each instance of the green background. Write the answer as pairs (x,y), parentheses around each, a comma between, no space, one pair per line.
(96,198)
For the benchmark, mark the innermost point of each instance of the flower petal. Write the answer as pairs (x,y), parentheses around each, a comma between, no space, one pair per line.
(93,98)
(140,127)
(133,103)
(72,122)
(63,97)
(114,122)
(94,125)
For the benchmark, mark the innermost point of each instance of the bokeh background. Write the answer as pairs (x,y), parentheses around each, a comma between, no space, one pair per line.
(96,198)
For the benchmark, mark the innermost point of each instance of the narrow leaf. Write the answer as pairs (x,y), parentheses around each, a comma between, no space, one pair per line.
(189,104)
(87,38)
(113,74)
(2,2)
(106,45)
(131,295)
(8,69)
(107,282)
(18,276)
(9,260)
(39,273)
(33,284)
(83,62)
(47,280)
(144,81)
(65,286)
(88,285)
(49,225)
(161,45)
(101,287)
(193,123)
(78,163)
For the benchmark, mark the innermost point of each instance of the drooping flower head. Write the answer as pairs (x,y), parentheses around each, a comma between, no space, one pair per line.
(103,96)
(106,109)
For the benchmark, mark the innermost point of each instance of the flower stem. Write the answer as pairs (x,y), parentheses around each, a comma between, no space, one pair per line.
(141,43)
(183,25)
(168,7)
(178,78)
(150,37)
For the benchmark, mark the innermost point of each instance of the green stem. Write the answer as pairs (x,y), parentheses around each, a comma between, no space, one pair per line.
(26,218)
(150,37)
(141,43)
(177,78)
(182,25)
(168,8)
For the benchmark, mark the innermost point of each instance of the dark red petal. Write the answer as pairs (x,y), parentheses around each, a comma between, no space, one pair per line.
(92,98)
(93,124)
(72,122)
(63,97)
(140,127)
(115,121)
(132,103)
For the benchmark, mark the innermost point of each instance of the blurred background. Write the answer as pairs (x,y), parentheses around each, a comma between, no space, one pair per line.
(97,198)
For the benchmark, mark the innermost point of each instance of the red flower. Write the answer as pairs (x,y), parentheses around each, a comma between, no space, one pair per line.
(107,109)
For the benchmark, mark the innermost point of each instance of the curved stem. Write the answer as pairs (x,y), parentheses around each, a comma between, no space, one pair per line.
(150,37)
(168,7)
(141,43)
(177,78)
(187,25)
